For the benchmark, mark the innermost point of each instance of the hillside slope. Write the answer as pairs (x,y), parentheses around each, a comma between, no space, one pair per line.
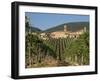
(73,26)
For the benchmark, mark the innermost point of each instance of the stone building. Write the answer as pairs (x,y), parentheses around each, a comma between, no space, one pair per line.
(64,33)
(44,36)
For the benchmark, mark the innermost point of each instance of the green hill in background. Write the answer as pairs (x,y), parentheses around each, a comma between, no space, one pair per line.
(73,26)
(35,29)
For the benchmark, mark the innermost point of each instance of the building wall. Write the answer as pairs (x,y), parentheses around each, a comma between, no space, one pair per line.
(66,33)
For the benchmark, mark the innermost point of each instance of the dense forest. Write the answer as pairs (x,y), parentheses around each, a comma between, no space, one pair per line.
(55,52)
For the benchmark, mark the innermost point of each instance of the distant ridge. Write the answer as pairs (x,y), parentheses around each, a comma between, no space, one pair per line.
(73,26)
(35,29)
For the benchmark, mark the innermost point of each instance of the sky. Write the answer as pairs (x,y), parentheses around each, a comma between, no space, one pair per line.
(44,21)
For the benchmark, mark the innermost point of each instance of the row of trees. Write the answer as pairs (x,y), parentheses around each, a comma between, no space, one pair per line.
(36,51)
(78,51)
